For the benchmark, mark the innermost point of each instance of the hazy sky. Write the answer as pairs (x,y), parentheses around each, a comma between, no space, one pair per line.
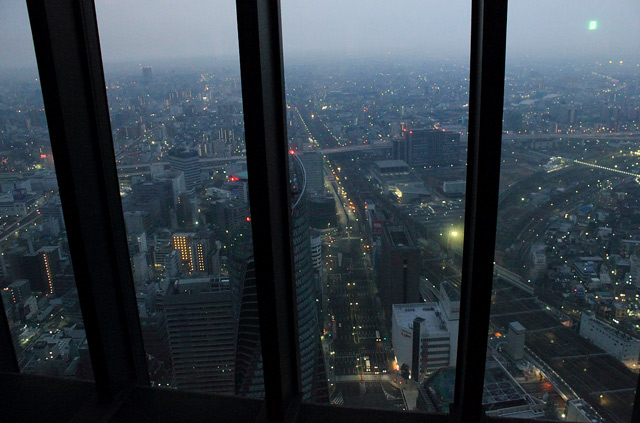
(146,30)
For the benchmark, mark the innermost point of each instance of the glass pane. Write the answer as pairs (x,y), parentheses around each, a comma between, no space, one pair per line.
(564,340)
(173,84)
(36,276)
(377,102)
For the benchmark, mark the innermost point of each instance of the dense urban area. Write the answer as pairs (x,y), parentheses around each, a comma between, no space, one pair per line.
(377,179)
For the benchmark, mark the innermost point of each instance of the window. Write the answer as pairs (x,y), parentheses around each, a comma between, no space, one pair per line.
(38,285)
(563,313)
(179,145)
(377,128)
(67,48)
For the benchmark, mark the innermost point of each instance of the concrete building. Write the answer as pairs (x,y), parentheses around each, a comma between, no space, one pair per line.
(389,173)
(184,242)
(187,162)
(399,268)
(429,147)
(578,410)
(425,335)
(313,164)
(454,188)
(19,291)
(201,329)
(515,340)
(625,348)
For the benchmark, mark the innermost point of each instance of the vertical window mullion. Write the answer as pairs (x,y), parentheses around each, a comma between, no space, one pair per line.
(8,359)
(69,61)
(261,68)
(486,98)
(635,414)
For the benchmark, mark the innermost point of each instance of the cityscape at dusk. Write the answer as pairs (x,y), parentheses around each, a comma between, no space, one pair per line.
(377,169)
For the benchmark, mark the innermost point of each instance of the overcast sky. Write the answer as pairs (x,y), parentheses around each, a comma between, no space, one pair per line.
(144,31)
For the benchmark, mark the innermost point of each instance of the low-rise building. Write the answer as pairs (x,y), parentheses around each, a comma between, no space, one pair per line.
(622,346)
(425,335)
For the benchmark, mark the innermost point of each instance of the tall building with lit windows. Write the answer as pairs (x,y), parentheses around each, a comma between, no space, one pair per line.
(203,245)
(39,268)
(183,242)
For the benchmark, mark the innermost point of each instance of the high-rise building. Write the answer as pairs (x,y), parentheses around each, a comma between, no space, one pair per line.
(313,164)
(203,245)
(312,365)
(200,324)
(399,268)
(429,147)
(39,268)
(19,291)
(154,198)
(249,380)
(187,162)
(322,212)
(185,213)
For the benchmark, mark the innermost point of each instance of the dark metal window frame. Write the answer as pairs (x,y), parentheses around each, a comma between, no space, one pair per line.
(67,48)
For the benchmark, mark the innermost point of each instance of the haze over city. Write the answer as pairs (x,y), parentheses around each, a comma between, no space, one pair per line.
(150,31)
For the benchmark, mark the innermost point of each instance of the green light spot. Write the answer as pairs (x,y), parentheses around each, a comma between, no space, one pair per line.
(593,25)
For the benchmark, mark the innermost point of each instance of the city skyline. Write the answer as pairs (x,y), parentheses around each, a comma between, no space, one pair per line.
(378,168)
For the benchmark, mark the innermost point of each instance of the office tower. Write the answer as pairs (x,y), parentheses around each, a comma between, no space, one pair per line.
(39,268)
(139,268)
(249,379)
(183,242)
(399,149)
(174,181)
(154,198)
(147,75)
(185,212)
(19,291)
(429,147)
(203,244)
(53,209)
(313,164)
(187,162)
(312,366)
(399,268)
(200,324)
(515,340)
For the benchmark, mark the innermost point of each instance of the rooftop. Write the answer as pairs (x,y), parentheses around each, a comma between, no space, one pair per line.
(399,236)
(405,315)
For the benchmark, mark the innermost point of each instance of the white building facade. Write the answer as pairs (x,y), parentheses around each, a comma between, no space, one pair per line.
(622,346)
(425,335)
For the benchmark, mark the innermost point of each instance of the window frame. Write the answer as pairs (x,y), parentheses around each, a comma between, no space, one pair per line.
(68,54)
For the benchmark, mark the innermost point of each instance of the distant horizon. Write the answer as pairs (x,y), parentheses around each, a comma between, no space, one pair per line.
(310,58)
(159,31)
